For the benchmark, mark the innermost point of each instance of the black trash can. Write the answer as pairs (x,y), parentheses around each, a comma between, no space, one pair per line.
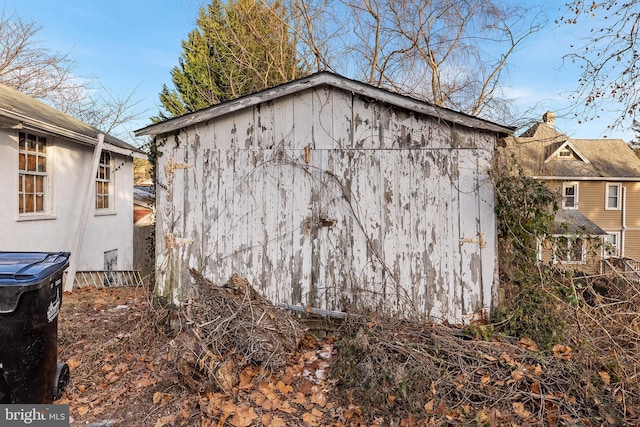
(30,299)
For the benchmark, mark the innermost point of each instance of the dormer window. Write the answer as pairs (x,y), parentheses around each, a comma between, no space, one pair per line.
(565,153)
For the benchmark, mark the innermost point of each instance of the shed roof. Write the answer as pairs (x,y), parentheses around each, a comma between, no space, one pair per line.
(593,159)
(316,80)
(18,110)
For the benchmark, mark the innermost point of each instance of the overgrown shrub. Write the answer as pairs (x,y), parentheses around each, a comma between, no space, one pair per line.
(525,209)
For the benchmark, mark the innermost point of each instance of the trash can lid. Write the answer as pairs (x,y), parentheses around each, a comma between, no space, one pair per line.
(25,268)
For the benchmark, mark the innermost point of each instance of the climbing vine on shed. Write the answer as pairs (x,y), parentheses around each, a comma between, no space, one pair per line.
(525,210)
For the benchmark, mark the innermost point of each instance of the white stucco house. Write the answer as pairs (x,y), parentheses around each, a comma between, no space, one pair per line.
(65,187)
(333,194)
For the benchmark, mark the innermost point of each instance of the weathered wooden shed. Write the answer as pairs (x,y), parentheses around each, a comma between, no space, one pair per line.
(329,193)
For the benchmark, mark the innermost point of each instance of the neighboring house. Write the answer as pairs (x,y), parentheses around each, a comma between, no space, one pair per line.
(599,184)
(144,203)
(65,188)
(329,193)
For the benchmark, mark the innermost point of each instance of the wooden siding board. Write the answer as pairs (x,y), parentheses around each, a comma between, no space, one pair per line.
(302,221)
(469,241)
(322,119)
(488,229)
(363,125)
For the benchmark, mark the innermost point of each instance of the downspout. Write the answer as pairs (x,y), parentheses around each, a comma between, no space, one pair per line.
(624,220)
(84,216)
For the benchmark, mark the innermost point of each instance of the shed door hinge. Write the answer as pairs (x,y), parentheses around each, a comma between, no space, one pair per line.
(479,240)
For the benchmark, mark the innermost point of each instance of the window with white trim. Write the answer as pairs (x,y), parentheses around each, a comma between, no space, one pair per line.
(612,197)
(611,245)
(32,173)
(104,185)
(570,195)
(569,249)
(565,153)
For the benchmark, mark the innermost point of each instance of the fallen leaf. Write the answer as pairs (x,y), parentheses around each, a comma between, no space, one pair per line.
(486,379)
(74,362)
(311,419)
(144,382)
(286,407)
(283,388)
(519,409)
(273,421)
(83,410)
(517,375)
(243,417)
(319,399)
(452,415)
(606,378)
(166,420)
(489,358)
(562,352)
(528,343)
(300,399)
(535,388)
(262,401)
(428,407)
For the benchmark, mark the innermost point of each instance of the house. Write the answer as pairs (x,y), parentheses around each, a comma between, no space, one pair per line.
(66,187)
(144,203)
(599,184)
(329,193)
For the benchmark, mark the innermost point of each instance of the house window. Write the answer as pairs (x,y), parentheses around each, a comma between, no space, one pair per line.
(611,245)
(32,173)
(104,187)
(613,197)
(570,195)
(569,250)
(565,153)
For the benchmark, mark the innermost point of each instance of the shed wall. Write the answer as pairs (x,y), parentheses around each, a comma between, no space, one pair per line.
(329,200)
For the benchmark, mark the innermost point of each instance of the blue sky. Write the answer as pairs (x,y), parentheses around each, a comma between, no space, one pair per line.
(132,46)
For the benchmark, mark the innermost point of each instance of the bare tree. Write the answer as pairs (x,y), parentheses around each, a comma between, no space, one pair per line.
(609,56)
(31,68)
(450,52)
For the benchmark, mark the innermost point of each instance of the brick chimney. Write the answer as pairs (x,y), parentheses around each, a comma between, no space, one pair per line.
(549,118)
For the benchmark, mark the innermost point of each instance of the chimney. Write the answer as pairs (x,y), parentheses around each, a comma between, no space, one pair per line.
(549,118)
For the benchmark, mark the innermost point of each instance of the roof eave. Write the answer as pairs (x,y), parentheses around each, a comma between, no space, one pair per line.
(316,80)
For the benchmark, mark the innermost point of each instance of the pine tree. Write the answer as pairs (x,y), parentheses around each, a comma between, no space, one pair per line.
(239,47)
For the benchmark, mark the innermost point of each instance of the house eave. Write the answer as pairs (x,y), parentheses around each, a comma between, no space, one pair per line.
(588,178)
(316,80)
(13,120)
(23,122)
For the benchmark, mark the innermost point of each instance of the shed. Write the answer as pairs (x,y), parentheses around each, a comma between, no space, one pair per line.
(329,193)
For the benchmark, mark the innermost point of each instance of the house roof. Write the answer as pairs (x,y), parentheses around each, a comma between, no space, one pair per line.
(20,111)
(537,152)
(321,79)
(572,222)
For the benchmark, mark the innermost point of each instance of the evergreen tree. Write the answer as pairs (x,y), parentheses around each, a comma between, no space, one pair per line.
(239,47)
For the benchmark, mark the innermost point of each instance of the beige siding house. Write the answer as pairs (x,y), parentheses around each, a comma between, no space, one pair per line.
(599,185)
(332,194)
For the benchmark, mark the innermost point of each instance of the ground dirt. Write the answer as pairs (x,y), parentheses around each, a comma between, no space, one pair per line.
(126,371)
(122,373)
